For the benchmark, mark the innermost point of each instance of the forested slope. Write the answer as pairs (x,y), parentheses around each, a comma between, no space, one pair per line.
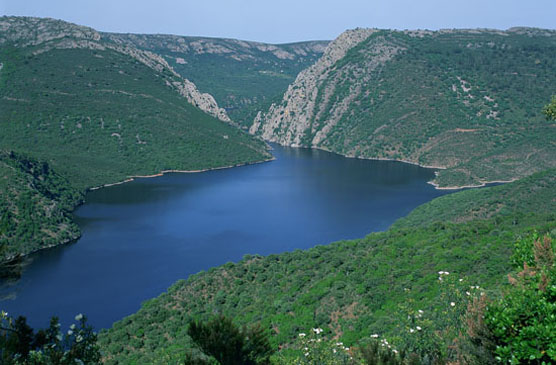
(95,112)
(351,289)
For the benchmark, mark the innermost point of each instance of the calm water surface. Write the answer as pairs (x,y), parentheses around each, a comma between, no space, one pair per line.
(140,237)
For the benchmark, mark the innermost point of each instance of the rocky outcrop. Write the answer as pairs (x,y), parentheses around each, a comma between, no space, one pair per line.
(287,122)
(203,101)
(46,34)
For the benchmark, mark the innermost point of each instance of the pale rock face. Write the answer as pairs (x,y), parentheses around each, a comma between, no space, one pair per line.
(279,124)
(48,34)
(203,101)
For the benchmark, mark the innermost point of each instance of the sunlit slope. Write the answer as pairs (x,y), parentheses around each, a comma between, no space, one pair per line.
(469,101)
(351,289)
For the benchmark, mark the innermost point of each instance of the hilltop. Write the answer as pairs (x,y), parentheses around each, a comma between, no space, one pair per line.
(466,101)
(93,112)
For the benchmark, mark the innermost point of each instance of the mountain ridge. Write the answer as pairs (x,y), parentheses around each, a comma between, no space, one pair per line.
(452,99)
(243,76)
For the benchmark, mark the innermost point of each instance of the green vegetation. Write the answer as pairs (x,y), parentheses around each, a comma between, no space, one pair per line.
(74,117)
(522,324)
(78,114)
(550,109)
(350,289)
(36,206)
(228,344)
(469,101)
(244,77)
(535,193)
(20,345)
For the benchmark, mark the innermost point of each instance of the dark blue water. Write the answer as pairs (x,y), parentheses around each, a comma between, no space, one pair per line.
(140,237)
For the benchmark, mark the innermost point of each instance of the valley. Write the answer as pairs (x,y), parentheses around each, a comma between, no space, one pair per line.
(411,264)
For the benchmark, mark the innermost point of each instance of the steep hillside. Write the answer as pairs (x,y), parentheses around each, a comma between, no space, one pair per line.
(96,113)
(36,206)
(244,77)
(468,101)
(351,289)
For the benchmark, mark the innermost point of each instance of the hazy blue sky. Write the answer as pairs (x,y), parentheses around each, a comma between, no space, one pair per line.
(281,21)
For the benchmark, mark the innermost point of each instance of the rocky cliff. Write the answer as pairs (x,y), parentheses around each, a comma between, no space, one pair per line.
(453,99)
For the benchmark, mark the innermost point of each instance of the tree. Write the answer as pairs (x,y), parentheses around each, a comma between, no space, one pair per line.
(519,328)
(20,345)
(550,109)
(228,344)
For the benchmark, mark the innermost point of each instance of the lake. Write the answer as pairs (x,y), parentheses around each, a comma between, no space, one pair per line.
(140,237)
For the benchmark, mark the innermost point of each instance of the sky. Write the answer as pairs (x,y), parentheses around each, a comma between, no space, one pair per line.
(282,21)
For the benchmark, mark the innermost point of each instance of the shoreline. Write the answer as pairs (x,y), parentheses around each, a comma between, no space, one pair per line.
(481,185)
(163,172)
(23,256)
(435,185)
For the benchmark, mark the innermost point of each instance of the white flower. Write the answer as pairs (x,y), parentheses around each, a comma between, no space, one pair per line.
(70,332)
(334,350)
(395,351)
(440,278)
(346,348)
(468,293)
(418,328)
(452,304)
(411,330)
(306,354)
(79,338)
(420,311)
(460,280)
(317,330)
(374,336)
(302,335)
(79,317)
(339,343)
(72,326)
(306,348)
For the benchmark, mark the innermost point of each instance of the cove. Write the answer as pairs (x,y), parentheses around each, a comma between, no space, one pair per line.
(140,237)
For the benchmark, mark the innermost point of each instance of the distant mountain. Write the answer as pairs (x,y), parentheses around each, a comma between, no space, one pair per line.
(244,77)
(467,101)
(79,111)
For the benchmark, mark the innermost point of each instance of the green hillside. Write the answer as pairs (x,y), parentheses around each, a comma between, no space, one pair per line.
(536,193)
(351,289)
(467,101)
(36,205)
(244,77)
(96,114)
